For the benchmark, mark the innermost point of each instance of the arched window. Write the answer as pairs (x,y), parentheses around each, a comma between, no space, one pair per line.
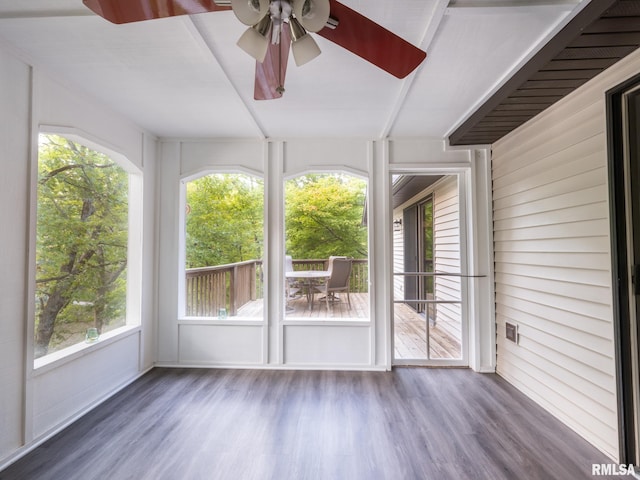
(83,244)
(326,218)
(224,247)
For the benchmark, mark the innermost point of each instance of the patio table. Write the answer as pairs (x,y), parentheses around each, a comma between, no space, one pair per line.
(309,278)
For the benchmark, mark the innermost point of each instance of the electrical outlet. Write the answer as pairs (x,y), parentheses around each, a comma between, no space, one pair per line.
(511,332)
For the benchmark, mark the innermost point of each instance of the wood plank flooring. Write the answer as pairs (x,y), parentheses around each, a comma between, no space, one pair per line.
(411,423)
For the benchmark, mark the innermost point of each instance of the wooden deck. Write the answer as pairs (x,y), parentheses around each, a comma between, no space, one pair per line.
(410,330)
(410,337)
(298,307)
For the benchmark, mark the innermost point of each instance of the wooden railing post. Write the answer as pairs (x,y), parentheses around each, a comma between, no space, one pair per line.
(232,291)
(252,280)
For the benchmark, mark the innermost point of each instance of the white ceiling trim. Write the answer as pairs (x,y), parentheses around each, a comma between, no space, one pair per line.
(20,14)
(425,41)
(195,28)
(493,7)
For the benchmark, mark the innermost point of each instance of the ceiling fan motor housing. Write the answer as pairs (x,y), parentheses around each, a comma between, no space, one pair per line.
(312,14)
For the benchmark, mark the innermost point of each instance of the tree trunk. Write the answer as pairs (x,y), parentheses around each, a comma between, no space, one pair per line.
(47,320)
(60,295)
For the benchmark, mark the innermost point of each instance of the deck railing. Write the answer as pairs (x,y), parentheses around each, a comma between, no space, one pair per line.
(208,289)
(224,286)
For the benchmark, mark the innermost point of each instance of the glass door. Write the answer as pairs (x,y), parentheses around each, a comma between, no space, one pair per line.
(427,320)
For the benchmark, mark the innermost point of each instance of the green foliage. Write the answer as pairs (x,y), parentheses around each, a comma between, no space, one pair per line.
(324,216)
(81,245)
(224,220)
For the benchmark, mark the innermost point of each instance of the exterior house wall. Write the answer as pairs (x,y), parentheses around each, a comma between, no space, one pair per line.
(446,251)
(398,258)
(446,248)
(37,401)
(552,260)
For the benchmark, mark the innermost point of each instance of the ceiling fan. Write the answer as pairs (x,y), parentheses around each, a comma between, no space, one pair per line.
(278,26)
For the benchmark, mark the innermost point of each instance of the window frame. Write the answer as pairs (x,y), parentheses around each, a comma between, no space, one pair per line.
(182,251)
(328,170)
(133,315)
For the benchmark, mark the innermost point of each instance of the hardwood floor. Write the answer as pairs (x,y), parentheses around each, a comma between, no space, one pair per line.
(411,423)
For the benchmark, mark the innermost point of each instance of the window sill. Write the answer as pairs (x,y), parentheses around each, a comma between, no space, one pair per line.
(343,322)
(54,360)
(235,321)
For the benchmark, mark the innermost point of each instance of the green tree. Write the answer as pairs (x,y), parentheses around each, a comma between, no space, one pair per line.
(324,216)
(81,245)
(224,222)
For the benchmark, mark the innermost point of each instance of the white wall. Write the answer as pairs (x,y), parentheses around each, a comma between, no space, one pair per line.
(15,78)
(552,260)
(36,403)
(277,342)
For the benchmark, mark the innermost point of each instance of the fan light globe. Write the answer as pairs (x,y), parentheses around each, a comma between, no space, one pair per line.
(312,14)
(250,12)
(303,47)
(254,44)
(304,50)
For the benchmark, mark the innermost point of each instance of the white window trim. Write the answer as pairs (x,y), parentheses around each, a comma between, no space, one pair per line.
(134,252)
(184,319)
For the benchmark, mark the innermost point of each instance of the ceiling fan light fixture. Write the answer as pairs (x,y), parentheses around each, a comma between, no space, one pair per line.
(303,46)
(250,12)
(255,40)
(312,14)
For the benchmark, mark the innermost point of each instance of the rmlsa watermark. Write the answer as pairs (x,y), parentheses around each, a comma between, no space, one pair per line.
(611,469)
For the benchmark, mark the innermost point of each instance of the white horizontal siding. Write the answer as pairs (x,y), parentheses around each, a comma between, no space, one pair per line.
(398,260)
(446,250)
(552,260)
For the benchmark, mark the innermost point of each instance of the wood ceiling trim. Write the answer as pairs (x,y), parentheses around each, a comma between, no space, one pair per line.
(565,74)
(602,33)
(559,83)
(610,38)
(524,102)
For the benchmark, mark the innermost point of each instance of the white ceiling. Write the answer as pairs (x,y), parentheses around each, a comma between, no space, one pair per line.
(185,77)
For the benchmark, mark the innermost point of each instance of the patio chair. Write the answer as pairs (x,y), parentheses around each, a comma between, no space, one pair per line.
(339,275)
(292,286)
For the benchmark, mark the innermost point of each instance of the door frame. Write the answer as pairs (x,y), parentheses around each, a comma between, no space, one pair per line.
(467,286)
(624,321)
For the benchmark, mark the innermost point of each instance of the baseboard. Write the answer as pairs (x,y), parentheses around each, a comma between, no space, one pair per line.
(352,368)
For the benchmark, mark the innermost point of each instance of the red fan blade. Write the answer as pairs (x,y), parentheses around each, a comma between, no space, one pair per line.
(270,74)
(126,11)
(372,42)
